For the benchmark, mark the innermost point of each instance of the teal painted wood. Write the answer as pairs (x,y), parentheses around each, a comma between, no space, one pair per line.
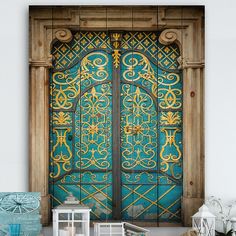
(81,159)
(81,116)
(151,131)
(20,208)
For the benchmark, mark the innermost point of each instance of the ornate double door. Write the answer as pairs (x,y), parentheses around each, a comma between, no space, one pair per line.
(116,125)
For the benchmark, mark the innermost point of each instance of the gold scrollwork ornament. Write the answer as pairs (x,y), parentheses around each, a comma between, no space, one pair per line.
(116,58)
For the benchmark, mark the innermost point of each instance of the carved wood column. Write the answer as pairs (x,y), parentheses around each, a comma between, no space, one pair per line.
(39,133)
(192,63)
(39,62)
(193,149)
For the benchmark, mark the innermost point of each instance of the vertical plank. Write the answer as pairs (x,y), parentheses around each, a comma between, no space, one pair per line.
(193,142)
(39,132)
(116,142)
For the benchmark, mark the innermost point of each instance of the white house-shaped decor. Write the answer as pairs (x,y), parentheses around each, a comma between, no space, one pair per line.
(71,218)
(203,222)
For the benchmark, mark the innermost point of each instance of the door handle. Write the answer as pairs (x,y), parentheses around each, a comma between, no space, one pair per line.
(133,129)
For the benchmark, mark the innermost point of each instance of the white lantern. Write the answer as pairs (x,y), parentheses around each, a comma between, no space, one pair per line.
(233,223)
(203,222)
(71,218)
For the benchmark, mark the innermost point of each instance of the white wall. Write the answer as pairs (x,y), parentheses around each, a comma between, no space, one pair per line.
(220,91)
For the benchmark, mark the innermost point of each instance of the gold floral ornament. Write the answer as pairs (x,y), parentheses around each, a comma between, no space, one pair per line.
(116,58)
(169,95)
(61,152)
(170,159)
(128,129)
(116,43)
(170,118)
(61,118)
(67,86)
(93,129)
(139,68)
(137,129)
(116,36)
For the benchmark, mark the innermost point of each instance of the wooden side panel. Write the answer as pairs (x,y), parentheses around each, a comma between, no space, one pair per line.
(193,143)
(39,141)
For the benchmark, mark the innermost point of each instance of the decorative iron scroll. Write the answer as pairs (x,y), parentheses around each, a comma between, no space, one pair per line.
(93,129)
(151,129)
(138,129)
(67,54)
(81,120)
(80,103)
(148,44)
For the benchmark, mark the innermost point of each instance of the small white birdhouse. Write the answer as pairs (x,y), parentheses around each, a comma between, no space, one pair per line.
(203,222)
(71,218)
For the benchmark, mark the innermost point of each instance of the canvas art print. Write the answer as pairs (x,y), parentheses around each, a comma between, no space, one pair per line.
(116,93)
(103,133)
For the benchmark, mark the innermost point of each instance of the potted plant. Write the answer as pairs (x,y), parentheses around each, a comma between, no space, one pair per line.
(223,215)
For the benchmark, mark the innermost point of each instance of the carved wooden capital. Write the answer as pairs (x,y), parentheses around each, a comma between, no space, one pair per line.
(169,36)
(184,63)
(47,63)
(63,35)
(193,64)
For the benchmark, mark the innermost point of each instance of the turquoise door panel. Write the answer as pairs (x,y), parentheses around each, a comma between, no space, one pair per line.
(80,128)
(82,145)
(151,129)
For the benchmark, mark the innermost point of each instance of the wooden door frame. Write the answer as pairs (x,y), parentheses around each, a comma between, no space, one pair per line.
(183,25)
